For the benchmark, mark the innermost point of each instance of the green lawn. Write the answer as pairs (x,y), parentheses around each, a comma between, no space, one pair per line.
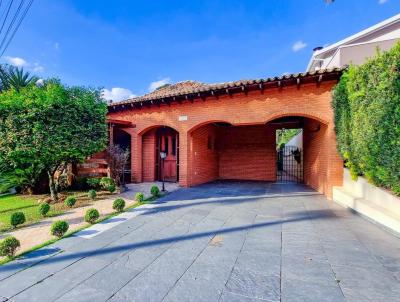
(26,204)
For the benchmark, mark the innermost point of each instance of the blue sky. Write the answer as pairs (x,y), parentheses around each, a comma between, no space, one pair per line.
(136,45)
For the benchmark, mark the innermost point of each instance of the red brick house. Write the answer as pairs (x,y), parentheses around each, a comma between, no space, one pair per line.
(228,130)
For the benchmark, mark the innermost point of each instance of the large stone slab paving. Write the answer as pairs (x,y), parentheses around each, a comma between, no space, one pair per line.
(226,241)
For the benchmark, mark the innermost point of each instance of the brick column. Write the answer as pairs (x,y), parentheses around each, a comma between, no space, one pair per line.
(136,157)
(335,163)
(184,159)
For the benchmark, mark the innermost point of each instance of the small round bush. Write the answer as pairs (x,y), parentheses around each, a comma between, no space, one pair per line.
(92,194)
(119,204)
(105,182)
(93,182)
(139,197)
(155,191)
(17,218)
(70,201)
(59,228)
(92,215)
(111,188)
(8,246)
(43,209)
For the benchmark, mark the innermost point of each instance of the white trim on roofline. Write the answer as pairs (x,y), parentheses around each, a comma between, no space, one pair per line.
(361,34)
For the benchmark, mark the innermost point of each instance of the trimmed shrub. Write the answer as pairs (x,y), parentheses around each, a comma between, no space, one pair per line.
(92,215)
(366,105)
(155,191)
(93,182)
(59,228)
(119,204)
(43,209)
(139,197)
(105,182)
(92,194)
(112,188)
(8,246)
(70,201)
(17,218)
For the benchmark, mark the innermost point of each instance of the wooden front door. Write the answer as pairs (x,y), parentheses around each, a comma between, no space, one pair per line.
(167,141)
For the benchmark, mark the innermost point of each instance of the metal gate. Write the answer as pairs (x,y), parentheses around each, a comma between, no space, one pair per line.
(289,164)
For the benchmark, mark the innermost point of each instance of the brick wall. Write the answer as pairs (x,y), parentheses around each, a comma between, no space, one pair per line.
(204,155)
(247,152)
(149,155)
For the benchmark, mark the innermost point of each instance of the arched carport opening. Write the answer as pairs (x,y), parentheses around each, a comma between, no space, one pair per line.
(155,140)
(303,155)
(221,150)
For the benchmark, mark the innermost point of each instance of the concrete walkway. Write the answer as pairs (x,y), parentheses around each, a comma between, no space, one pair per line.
(240,241)
(38,233)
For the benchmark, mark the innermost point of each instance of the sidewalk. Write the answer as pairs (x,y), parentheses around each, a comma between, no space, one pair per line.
(38,233)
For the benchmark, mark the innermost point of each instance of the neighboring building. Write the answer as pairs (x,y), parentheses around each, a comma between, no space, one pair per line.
(227,130)
(357,48)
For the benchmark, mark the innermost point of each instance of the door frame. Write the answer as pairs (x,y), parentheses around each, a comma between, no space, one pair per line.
(159,135)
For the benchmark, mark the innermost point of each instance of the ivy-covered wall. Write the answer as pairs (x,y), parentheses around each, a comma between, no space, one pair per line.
(366,104)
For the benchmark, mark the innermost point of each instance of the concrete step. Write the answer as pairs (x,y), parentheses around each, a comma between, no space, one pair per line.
(367,208)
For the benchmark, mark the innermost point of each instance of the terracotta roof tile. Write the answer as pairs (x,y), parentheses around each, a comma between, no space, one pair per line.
(194,87)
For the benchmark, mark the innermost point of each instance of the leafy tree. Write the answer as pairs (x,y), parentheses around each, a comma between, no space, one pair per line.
(42,129)
(15,78)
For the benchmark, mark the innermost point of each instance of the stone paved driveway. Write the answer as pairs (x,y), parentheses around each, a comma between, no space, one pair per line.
(237,241)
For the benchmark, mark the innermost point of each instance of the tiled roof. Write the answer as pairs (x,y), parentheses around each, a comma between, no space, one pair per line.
(193,89)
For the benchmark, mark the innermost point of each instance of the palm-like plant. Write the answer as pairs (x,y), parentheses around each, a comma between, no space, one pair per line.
(14,77)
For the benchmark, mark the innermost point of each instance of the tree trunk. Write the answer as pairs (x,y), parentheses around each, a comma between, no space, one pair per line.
(53,188)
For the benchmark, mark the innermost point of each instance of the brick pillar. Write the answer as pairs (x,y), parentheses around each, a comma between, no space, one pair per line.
(136,157)
(335,163)
(184,165)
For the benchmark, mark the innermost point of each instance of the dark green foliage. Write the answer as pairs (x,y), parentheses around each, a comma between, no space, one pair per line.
(366,103)
(42,129)
(8,246)
(17,218)
(93,182)
(92,194)
(70,201)
(111,188)
(59,228)
(139,197)
(106,182)
(92,215)
(44,208)
(155,191)
(119,204)
(12,77)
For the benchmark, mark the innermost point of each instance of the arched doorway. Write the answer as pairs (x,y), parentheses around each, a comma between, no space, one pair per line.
(155,140)
(167,141)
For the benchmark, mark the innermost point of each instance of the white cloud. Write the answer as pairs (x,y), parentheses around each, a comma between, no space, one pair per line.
(299,45)
(16,61)
(117,94)
(20,62)
(56,46)
(154,85)
(37,67)
(382,1)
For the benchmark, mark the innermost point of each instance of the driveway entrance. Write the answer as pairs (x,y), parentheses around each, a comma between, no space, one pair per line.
(224,241)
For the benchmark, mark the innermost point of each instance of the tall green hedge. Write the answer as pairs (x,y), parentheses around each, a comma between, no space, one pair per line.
(366,104)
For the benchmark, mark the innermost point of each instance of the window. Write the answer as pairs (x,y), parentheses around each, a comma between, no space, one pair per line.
(166,141)
(174,145)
